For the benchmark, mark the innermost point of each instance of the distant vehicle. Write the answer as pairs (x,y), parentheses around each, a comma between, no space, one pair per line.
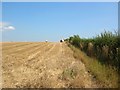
(61,40)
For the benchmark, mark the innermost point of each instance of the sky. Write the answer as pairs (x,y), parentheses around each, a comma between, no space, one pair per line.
(60,0)
(52,21)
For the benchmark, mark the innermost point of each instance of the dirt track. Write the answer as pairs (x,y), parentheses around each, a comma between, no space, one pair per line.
(47,65)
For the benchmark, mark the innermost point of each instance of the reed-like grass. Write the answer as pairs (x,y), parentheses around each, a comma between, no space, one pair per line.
(105,76)
(105,47)
(100,54)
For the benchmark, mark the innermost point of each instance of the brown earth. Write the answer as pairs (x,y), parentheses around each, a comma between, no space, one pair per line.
(41,64)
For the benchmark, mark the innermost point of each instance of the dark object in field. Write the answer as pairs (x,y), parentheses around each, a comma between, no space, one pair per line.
(61,40)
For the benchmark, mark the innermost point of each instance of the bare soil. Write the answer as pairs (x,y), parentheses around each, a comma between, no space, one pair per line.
(42,65)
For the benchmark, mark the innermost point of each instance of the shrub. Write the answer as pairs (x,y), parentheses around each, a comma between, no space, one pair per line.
(75,40)
(105,47)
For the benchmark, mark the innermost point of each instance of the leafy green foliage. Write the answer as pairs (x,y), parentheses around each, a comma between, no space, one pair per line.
(105,47)
(75,40)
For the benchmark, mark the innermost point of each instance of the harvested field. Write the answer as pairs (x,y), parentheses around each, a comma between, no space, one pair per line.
(42,65)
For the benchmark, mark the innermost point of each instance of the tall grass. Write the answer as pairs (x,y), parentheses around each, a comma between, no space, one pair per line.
(105,47)
(102,55)
(106,77)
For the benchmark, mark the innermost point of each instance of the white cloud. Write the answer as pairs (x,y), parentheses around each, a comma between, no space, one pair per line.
(4,26)
(9,28)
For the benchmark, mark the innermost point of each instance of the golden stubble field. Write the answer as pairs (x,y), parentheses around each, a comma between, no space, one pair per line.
(42,65)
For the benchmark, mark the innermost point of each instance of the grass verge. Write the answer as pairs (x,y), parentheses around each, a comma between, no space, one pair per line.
(106,76)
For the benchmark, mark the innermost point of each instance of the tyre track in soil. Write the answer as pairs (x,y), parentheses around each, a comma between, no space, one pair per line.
(12,44)
(19,54)
(40,55)
(55,63)
(38,67)
(20,48)
(28,48)
(9,45)
(4,47)
(20,57)
(22,63)
(48,68)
